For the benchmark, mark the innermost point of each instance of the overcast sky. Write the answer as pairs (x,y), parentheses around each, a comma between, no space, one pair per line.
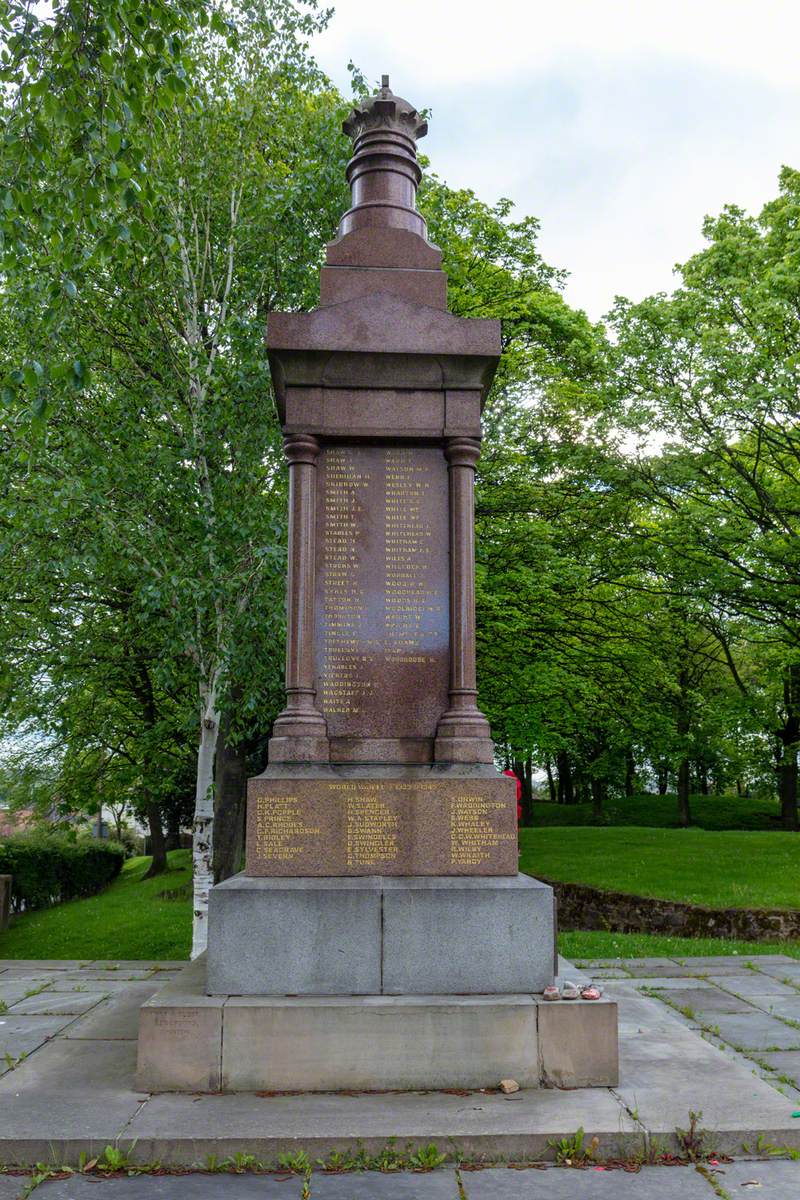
(618,123)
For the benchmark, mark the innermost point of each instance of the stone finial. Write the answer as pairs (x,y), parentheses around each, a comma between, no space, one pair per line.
(384,110)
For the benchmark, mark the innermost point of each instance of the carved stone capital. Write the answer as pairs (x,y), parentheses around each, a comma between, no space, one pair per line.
(301,448)
(384,110)
(462,451)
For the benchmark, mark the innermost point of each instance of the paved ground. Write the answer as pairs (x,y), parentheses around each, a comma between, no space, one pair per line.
(778,1180)
(721,1036)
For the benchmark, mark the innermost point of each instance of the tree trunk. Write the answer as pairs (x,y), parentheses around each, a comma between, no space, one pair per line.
(788,737)
(684,780)
(203,825)
(173,832)
(787,788)
(702,777)
(630,773)
(551,783)
(158,846)
(230,804)
(683,725)
(598,789)
(662,775)
(566,792)
(738,787)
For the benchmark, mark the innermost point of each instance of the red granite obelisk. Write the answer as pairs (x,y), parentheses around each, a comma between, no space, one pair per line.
(381,763)
(380,392)
(380,936)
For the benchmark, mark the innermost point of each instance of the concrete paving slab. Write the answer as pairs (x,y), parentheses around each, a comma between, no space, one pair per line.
(586,964)
(19,977)
(11,1186)
(607,973)
(651,1183)
(706,1000)
(786,970)
(719,973)
(374,1185)
(753,983)
(117,1019)
(109,987)
(664,1076)
(68,1097)
(785,1062)
(171,1127)
(55,1003)
(43,964)
(174,1187)
(139,964)
(786,1007)
(757,1031)
(654,966)
(11,993)
(779,1179)
(723,960)
(92,977)
(668,982)
(21,1035)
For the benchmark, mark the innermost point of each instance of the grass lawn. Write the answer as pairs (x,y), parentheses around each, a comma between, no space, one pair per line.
(128,920)
(708,812)
(725,869)
(582,944)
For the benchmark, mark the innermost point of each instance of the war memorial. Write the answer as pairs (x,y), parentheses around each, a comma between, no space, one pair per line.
(376,972)
(380,935)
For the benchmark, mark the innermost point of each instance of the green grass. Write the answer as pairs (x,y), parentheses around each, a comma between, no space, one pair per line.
(128,920)
(708,812)
(726,869)
(582,944)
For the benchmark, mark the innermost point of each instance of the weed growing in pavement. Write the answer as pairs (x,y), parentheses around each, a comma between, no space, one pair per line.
(426,1158)
(711,1178)
(37,991)
(570,1151)
(240,1162)
(694,1140)
(389,1158)
(113,1158)
(12,1062)
(770,1150)
(298,1162)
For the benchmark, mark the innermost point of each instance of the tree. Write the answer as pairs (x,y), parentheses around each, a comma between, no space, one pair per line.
(716,366)
(162,466)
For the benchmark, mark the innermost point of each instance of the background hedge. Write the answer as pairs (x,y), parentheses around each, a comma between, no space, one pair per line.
(47,870)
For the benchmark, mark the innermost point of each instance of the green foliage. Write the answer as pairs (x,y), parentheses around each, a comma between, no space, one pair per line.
(49,870)
(708,812)
(573,1151)
(297,1162)
(426,1158)
(128,920)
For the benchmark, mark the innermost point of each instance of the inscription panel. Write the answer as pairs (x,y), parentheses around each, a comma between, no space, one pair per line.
(382,602)
(382,827)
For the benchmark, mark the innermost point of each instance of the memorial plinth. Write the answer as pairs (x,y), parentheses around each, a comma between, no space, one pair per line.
(381,856)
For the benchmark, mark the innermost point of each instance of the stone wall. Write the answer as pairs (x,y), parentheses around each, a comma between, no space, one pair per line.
(583,907)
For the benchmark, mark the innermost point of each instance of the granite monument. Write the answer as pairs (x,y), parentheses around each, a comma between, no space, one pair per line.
(381,907)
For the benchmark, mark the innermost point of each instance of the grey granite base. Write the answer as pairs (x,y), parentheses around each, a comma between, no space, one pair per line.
(192,1042)
(380,935)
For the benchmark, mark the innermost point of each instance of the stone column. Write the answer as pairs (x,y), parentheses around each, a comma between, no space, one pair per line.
(300,732)
(463,734)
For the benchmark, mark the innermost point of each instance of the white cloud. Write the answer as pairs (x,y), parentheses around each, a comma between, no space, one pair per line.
(619,124)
